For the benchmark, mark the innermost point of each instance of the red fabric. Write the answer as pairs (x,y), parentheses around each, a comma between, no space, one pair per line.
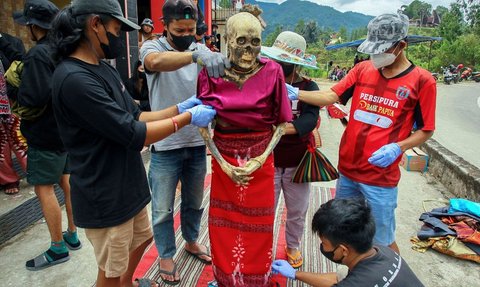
(398,102)
(261,102)
(11,142)
(151,253)
(335,112)
(241,227)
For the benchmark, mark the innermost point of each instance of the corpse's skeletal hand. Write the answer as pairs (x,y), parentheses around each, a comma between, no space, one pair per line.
(242,175)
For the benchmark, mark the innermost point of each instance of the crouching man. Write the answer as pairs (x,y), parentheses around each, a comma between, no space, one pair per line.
(346,229)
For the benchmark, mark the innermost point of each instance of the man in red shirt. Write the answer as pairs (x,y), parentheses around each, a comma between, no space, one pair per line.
(389,94)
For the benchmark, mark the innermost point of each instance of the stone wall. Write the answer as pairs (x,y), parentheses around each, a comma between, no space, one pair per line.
(456,174)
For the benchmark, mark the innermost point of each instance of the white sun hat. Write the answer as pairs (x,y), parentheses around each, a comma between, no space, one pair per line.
(290,47)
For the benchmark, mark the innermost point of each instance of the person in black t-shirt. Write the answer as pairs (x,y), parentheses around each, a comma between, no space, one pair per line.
(46,155)
(346,229)
(104,131)
(298,136)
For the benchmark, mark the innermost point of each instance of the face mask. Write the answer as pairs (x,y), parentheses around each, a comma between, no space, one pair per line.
(330,254)
(287,69)
(114,48)
(142,75)
(182,42)
(384,59)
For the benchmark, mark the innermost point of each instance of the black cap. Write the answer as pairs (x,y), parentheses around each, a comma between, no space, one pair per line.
(107,7)
(179,10)
(36,12)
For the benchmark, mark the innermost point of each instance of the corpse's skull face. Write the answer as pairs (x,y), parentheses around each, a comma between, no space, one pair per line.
(244,41)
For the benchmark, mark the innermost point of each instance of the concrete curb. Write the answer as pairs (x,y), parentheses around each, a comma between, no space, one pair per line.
(456,174)
(30,211)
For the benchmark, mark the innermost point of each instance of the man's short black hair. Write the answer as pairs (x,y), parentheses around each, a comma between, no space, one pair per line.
(345,221)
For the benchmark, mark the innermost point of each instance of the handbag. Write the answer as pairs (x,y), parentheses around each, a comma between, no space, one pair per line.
(313,167)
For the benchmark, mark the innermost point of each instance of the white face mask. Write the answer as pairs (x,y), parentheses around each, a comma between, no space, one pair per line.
(384,59)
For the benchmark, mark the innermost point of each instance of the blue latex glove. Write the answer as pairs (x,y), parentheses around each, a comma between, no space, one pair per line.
(284,268)
(385,155)
(215,62)
(202,115)
(292,92)
(188,103)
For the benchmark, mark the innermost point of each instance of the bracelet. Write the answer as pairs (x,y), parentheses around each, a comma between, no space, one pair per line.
(175,124)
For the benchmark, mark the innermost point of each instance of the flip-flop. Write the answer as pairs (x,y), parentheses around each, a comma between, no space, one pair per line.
(144,282)
(11,186)
(166,272)
(296,259)
(198,255)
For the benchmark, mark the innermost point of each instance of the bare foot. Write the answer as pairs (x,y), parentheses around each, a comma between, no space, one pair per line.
(11,188)
(200,251)
(168,270)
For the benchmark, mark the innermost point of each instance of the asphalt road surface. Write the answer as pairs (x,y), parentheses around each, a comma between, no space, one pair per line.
(458,119)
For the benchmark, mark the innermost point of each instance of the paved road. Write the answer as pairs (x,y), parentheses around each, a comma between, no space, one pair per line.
(458,119)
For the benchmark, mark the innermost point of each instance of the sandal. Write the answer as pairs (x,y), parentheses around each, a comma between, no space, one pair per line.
(11,188)
(172,273)
(295,259)
(198,255)
(144,282)
(41,262)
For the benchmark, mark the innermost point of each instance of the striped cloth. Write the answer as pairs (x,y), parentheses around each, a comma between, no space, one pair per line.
(194,273)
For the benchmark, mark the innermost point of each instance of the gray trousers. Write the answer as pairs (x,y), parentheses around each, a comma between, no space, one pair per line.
(297,196)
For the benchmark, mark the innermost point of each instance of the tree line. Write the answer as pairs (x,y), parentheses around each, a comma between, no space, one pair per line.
(459,27)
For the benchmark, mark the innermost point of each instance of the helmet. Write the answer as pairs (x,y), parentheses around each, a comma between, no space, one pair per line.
(460,66)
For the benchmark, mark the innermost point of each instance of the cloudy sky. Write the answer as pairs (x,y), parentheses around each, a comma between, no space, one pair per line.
(370,7)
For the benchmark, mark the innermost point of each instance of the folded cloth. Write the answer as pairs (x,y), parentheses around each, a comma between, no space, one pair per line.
(433,227)
(449,245)
(464,205)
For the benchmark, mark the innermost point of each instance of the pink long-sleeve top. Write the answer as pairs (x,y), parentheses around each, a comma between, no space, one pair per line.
(261,102)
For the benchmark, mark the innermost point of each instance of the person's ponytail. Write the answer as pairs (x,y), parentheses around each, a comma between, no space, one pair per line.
(67,33)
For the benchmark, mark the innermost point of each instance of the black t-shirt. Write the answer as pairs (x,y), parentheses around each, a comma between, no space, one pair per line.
(291,148)
(99,125)
(386,268)
(36,91)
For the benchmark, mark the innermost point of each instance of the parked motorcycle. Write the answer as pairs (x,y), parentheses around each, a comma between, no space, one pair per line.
(476,77)
(455,71)
(448,76)
(466,74)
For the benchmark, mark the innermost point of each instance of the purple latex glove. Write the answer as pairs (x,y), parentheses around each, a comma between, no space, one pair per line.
(385,155)
(188,103)
(292,92)
(202,115)
(284,268)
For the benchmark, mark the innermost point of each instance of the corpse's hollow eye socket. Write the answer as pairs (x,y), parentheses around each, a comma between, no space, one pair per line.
(256,41)
(241,41)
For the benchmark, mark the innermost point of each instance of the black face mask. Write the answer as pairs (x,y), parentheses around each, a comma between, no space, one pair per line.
(330,254)
(287,69)
(182,42)
(142,75)
(114,48)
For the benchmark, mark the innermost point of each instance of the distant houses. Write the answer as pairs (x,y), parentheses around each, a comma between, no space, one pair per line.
(427,21)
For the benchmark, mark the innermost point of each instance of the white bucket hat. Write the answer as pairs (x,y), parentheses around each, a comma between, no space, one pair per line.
(290,47)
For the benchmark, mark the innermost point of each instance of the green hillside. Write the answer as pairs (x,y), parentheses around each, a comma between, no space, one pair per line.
(290,12)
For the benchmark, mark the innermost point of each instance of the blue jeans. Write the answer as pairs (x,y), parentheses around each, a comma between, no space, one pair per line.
(382,201)
(166,168)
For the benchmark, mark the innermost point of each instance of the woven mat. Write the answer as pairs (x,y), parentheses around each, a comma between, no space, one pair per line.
(194,273)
